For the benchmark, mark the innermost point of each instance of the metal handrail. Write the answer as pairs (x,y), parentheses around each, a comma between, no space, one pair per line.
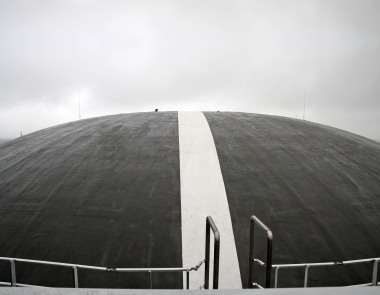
(277,267)
(210,223)
(306,266)
(99,268)
(268,265)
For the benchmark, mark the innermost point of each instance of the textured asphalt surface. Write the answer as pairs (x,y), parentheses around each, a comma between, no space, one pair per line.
(317,188)
(102,192)
(106,192)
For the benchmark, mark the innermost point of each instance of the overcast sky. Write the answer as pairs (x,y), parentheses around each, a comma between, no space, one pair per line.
(131,56)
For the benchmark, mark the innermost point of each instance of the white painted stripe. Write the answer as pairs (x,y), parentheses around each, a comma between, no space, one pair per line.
(202,194)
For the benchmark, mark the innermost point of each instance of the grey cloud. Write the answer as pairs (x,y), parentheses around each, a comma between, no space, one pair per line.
(256,56)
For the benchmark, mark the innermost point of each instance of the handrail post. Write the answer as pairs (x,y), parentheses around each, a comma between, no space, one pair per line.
(276,277)
(374,273)
(150,279)
(251,254)
(210,223)
(268,265)
(187,279)
(306,276)
(207,257)
(13,273)
(75,271)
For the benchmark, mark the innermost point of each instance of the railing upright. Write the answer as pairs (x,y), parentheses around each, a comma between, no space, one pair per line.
(210,223)
(268,265)
(306,276)
(150,279)
(13,273)
(75,273)
(374,273)
(187,279)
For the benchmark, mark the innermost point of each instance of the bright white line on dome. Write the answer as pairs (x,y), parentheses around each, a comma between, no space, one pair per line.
(202,194)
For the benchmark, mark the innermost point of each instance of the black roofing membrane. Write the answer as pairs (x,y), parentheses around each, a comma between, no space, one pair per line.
(106,192)
(102,191)
(317,188)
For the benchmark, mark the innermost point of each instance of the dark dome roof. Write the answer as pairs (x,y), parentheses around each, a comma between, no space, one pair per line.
(106,191)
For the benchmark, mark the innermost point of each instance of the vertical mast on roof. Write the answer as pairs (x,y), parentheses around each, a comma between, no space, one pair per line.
(79,106)
(304,105)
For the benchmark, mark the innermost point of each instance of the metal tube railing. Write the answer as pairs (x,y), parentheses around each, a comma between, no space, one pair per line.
(76,282)
(374,272)
(76,267)
(307,266)
(276,277)
(325,263)
(187,279)
(13,272)
(210,223)
(150,279)
(306,276)
(268,265)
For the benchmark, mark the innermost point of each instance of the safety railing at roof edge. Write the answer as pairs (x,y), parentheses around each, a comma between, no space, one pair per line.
(268,266)
(306,266)
(209,224)
(76,267)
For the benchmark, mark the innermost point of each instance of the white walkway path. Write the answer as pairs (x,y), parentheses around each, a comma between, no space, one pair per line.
(203,194)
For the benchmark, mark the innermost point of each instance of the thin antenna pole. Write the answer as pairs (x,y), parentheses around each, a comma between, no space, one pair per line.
(304,105)
(79,105)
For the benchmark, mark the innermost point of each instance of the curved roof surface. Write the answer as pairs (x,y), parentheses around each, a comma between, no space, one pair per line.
(107,191)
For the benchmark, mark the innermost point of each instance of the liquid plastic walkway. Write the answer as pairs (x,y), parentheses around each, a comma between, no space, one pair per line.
(203,194)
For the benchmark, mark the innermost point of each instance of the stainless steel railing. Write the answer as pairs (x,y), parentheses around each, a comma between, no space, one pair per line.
(209,224)
(268,265)
(76,267)
(307,266)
